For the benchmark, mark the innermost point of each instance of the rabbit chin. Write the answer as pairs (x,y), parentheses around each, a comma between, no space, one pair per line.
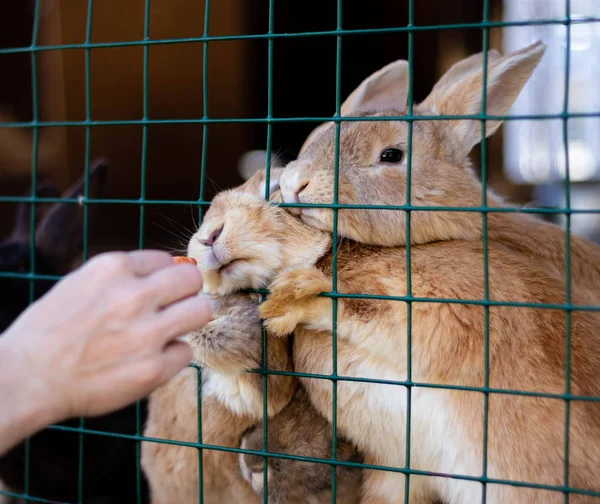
(242,274)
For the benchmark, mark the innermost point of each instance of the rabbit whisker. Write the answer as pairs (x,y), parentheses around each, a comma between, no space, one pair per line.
(178,225)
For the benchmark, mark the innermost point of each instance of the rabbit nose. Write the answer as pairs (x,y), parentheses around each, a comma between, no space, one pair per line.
(214,236)
(297,192)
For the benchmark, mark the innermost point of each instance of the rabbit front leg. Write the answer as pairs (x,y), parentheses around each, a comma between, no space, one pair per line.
(230,345)
(294,299)
(225,345)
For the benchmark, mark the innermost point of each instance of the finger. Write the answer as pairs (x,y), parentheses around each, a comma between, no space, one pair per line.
(172,284)
(182,317)
(145,262)
(175,357)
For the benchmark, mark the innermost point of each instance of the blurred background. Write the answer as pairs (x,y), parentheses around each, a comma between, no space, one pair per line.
(526,160)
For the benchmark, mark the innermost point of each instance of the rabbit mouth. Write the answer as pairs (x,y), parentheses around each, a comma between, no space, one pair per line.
(228,266)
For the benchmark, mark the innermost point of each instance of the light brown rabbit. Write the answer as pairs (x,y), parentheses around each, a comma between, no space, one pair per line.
(243,243)
(173,471)
(232,401)
(237,221)
(527,346)
(373,166)
(299,429)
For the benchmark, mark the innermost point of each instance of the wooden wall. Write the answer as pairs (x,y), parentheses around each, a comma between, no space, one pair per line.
(304,84)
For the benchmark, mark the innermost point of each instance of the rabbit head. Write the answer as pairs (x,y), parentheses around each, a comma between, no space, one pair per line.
(373,154)
(58,240)
(244,241)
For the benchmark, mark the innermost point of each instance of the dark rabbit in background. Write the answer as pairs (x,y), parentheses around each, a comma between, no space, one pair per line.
(109,463)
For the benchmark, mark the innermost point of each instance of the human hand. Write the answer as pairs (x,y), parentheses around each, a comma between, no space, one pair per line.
(105,335)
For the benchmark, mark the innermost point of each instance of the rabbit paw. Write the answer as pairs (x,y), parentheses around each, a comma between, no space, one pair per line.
(291,293)
(291,287)
(284,325)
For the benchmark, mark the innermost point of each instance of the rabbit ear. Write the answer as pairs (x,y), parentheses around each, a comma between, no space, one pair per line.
(274,176)
(456,72)
(385,89)
(313,134)
(256,184)
(506,77)
(253,161)
(21,229)
(252,168)
(60,233)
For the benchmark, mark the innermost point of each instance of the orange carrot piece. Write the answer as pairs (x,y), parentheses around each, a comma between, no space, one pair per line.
(184,260)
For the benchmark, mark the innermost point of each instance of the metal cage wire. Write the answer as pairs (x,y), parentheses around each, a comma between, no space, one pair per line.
(339,33)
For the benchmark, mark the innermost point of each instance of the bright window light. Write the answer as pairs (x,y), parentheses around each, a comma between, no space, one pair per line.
(534,149)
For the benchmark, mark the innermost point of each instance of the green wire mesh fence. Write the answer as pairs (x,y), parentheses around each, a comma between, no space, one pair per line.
(142,203)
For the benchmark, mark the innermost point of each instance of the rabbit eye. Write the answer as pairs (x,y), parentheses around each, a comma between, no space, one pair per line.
(391,156)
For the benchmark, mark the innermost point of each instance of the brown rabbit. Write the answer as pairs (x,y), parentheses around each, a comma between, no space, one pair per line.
(299,429)
(232,401)
(527,352)
(373,166)
(527,346)
(244,242)
(173,470)
(241,219)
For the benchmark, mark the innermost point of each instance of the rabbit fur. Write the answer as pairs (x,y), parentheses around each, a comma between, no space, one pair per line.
(173,471)
(299,429)
(527,347)
(231,399)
